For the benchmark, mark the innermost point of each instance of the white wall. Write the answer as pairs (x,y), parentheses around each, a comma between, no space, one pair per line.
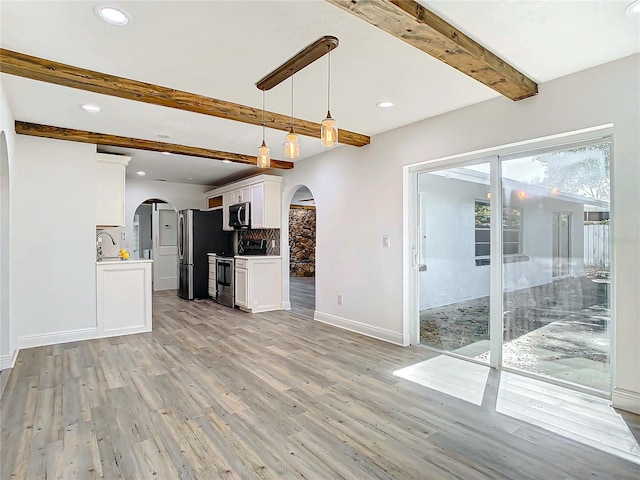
(359,198)
(53,294)
(179,195)
(7,138)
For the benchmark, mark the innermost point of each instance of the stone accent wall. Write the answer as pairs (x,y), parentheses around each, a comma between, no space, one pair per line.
(302,241)
(271,235)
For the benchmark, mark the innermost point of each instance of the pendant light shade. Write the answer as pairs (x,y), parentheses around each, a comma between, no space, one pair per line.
(329,129)
(264,157)
(292,142)
(292,145)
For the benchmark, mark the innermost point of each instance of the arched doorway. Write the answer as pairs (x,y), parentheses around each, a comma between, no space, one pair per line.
(4,248)
(302,252)
(155,236)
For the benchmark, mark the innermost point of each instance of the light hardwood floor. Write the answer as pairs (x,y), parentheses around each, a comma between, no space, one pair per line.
(216,393)
(302,294)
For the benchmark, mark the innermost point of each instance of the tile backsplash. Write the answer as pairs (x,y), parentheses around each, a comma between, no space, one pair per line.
(271,235)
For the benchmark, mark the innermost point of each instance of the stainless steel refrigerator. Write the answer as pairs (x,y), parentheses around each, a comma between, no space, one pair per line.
(199,233)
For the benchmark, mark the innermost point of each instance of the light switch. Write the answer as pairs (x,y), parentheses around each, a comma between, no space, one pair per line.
(386,241)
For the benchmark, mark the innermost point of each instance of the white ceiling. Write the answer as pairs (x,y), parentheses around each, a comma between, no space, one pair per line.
(221,48)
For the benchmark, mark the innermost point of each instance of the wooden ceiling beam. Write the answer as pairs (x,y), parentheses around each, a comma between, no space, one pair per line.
(414,24)
(35,68)
(72,135)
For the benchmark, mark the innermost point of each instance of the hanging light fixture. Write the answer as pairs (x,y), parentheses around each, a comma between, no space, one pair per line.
(264,158)
(292,143)
(329,130)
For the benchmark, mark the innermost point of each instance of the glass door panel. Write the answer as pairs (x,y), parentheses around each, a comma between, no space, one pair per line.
(453,260)
(556,292)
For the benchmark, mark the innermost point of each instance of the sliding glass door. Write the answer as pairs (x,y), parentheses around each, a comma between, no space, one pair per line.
(514,266)
(454,244)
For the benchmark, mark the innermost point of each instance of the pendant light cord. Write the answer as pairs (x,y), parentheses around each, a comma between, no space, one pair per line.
(329,81)
(263,124)
(292,102)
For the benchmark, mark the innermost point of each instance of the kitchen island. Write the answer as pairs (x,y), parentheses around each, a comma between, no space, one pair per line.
(123,297)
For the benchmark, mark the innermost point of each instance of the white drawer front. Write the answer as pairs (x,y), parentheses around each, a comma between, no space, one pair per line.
(241,263)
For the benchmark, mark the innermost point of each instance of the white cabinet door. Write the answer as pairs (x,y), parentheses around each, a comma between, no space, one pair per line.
(212,276)
(227,201)
(257,205)
(110,189)
(242,287)
(241,195)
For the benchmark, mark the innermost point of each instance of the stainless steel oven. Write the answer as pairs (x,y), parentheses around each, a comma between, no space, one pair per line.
(225,284)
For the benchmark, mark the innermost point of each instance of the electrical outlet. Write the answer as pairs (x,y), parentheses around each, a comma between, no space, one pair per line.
(386,241)
(340,299)
(273,244)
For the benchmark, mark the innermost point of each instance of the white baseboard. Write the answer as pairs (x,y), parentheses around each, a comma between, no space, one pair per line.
(286,305)
(125,331)
(9,360)
(626,400)
(30,341)
(362,328)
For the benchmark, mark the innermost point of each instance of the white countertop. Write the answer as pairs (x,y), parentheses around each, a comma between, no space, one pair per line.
(249,257)
(123,262)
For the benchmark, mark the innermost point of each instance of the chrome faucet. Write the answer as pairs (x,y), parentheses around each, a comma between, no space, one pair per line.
(99,244)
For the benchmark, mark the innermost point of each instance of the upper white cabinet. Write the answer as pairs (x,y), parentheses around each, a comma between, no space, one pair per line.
(110,189)
(264,193)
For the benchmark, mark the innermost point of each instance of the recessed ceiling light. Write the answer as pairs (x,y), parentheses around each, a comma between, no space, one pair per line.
(633,7)
(141,173)
(163,135)
(226,161)
(113,15)
(189,178)
(166,153)
(90,107)
(384,104)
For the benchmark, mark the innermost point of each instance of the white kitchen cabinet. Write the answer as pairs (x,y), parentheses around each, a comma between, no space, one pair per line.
(241,286)
(212,275)
(110,189)
(227,200)
(264,193)
(123,297)
(258,283)
(241,195)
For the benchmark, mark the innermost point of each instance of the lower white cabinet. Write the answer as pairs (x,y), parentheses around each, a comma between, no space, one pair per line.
(212,275)
(123,297)
(258,283)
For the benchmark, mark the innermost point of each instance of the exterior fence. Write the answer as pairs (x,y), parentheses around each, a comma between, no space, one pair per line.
(596,246)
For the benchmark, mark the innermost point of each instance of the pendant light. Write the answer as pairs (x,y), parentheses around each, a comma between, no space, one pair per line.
(264,158)
(329,130)
(292,143)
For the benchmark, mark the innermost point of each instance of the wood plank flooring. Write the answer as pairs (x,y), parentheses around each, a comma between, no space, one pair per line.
(216,393)
(302,294)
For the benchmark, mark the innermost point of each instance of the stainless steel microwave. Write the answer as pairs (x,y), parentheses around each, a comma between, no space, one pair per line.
(240,216)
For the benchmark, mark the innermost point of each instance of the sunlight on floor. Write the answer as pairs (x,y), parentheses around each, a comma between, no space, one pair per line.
(579,416)
(564,412)
(452,376)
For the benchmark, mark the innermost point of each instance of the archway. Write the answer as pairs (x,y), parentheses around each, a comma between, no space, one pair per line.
(302,252)
(155,236)
(4,248)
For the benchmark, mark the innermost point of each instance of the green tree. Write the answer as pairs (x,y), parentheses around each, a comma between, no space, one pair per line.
(580,171)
